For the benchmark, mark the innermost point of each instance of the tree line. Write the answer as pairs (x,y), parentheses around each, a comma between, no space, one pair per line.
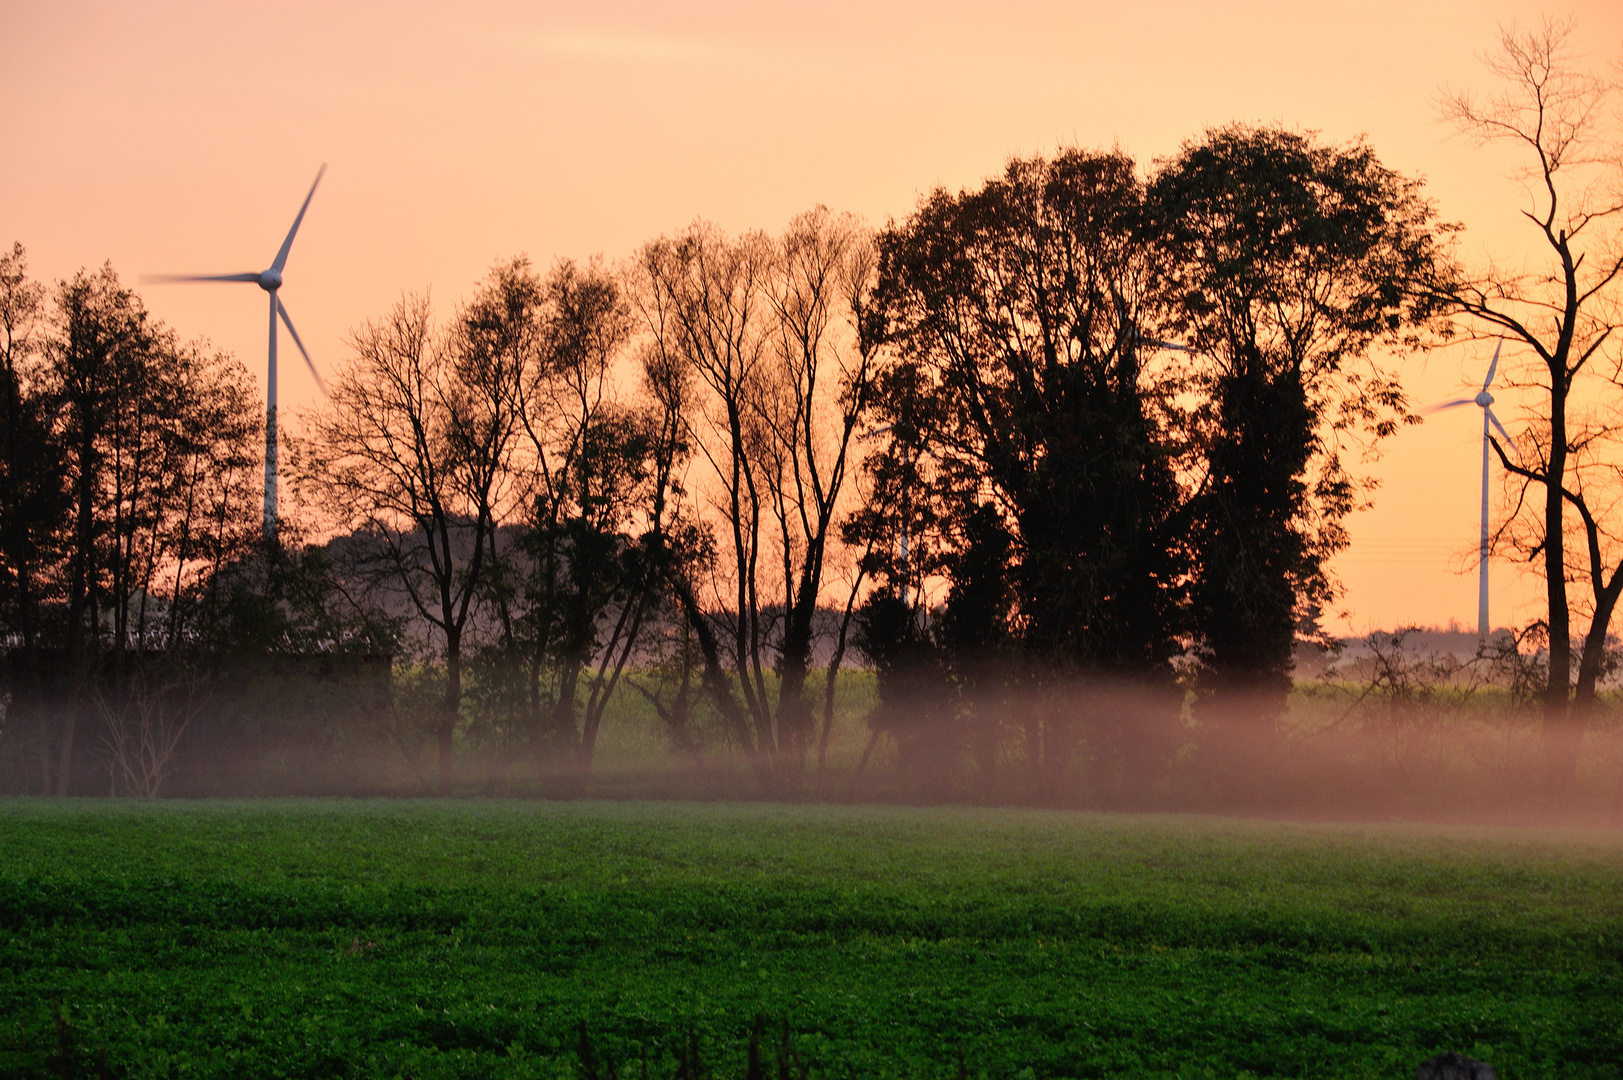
(966,433)
(1061,458)
(1074,425)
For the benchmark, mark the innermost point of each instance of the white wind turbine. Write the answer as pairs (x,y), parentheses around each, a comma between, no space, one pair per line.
(270,280)
(1485,400)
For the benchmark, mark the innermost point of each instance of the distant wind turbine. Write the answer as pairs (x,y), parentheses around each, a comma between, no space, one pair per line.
(1155,343)
(270,280)
(1485,400)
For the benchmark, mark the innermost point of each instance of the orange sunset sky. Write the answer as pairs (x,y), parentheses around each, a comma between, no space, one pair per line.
(181,137)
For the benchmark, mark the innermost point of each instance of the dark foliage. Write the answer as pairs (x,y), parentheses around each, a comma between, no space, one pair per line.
(1022,306)
(1289,260)
(1096,502)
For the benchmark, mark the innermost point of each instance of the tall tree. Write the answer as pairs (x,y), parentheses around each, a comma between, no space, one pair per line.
(1023,305)
(1290,261)
(592,457)
(1564,309)
(680,541)
(411,450)
(34,504)
(702,295)
(768,335)
(131,457)
(99,357)
(816,394)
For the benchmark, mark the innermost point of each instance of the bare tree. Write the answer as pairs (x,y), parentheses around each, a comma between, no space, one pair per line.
(1565,309)
(412,449)
(770,332)
(680,544)
(144,719)
(819,293)
(702,297)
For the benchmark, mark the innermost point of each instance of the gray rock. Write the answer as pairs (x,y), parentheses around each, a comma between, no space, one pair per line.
(1453,1067)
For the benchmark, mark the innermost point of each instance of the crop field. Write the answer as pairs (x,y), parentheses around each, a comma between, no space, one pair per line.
(473,939)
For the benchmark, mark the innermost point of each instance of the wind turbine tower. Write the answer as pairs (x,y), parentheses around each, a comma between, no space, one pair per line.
(270,279)
(1484,400)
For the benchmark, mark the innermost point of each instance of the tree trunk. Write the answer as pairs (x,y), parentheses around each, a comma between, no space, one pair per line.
(1560,750)
(43,719)
(566,736)
(81,599)
(1034,750)
(453,710)
(862,763)
(794,711)
(619,650)
(714,678)
(1564,760)
(828,708)
(835,662)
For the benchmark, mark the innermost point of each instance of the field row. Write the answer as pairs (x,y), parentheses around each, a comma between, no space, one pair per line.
(473,939)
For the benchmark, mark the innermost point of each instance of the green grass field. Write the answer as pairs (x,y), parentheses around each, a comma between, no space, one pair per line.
(469,939)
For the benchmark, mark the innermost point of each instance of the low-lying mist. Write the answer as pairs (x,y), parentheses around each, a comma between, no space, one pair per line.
(1390,729)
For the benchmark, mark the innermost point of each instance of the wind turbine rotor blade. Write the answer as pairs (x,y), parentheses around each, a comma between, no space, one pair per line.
(1494,366)
(1456,403)
(281,309)
(287,245)
(170,279)
(1494,420)
(1166,344)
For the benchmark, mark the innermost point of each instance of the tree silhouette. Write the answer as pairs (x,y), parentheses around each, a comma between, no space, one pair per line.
(1290,261)
(126,459)
(411,450)
(1565,311)
(1021,308)
(768,339)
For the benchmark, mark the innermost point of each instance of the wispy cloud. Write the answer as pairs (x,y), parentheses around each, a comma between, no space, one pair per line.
(615,47)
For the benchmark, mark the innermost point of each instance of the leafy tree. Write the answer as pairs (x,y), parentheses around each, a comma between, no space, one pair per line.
(1020,309)
(127,457)
(1025,301)
(158,451)
(917,706)
(974,634)
(33,492)
(99,365)
(34,503)
(1290,261)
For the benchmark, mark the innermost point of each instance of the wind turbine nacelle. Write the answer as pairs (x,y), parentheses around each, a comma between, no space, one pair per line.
(1483,398)
(270,280)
